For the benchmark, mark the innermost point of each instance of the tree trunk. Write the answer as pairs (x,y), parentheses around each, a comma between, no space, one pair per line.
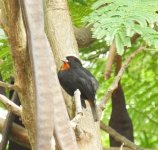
(62,40)
(13,26)
(61,36)
(120,119)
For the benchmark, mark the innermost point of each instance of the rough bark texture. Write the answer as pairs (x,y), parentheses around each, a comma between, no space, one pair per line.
(32,11)
(59,29)
(61,36)
(62,39)
(14,29)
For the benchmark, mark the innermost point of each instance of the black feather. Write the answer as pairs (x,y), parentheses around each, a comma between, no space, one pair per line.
(77,77)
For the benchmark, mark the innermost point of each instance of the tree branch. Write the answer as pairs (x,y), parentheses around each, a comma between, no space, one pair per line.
(119,137)
(110,61)
(78,105)
(74,122)
(117,78)
(9,86)
(18,134)
(80,133)
(118,62)
(10,105)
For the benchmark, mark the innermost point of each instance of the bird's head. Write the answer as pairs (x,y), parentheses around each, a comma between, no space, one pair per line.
(70,62)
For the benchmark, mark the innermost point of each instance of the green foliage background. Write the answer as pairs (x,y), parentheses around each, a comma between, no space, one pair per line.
(6,66)
(140,81)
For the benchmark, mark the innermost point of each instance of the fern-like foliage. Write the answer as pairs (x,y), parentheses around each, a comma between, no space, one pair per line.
(119,20)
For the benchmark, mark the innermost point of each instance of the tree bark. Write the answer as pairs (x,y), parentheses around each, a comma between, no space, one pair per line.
(13,26)
(61,36)
(62,39)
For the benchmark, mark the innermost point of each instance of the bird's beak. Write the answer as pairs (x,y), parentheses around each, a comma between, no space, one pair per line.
(64,60)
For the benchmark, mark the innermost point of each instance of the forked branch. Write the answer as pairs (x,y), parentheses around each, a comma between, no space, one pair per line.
(9,86)
(10,105)
(119,137)
(117,78)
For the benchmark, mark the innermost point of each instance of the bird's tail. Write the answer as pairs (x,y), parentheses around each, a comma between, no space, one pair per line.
(94,111)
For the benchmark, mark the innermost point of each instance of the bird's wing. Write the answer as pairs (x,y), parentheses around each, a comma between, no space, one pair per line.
(86,89)
(92,78)
(86,84)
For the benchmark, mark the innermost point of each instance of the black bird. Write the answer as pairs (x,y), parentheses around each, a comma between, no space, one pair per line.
(72,76)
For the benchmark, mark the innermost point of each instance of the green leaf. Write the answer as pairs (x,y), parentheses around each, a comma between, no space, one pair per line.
(119,44)
(124,18)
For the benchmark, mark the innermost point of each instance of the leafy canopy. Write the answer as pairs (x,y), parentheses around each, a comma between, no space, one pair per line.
(119,20)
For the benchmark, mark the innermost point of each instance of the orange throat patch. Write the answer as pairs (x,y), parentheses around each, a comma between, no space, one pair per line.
(65,66)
